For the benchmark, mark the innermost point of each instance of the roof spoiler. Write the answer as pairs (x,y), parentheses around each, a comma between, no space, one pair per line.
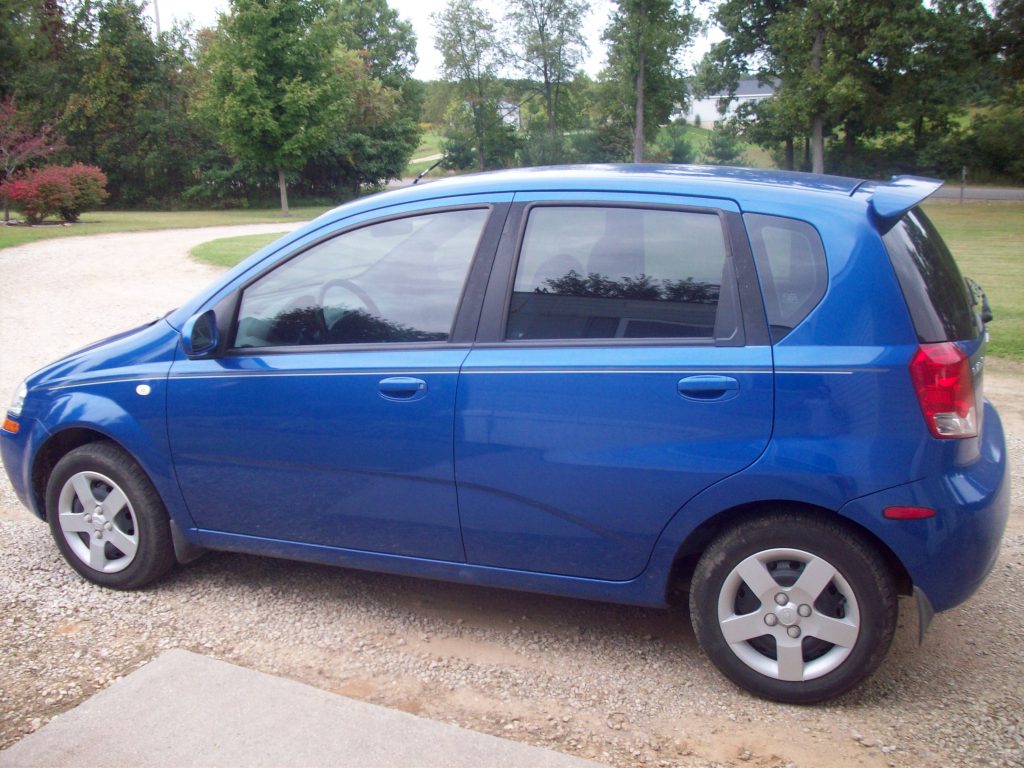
(891,199)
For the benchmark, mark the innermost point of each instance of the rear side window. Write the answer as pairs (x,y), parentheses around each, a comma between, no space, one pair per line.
(594,272)
(791,264)
(933,287)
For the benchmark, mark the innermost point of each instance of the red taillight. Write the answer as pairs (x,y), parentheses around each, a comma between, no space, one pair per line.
(942,379)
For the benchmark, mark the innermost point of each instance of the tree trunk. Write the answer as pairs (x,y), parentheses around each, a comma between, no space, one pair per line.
(790,154)
(7,212)
(478,124)
(549,99)
(818,119)
(849,146)
(638,133)
(283,190)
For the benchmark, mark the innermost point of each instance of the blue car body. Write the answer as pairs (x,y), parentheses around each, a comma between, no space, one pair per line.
(592,468)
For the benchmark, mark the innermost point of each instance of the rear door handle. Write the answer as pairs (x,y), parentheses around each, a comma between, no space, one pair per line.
(402,388)
(707,387)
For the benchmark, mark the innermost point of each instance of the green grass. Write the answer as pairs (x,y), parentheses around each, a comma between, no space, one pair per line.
(228,251)
(103,222)
(430,144)
(988,242)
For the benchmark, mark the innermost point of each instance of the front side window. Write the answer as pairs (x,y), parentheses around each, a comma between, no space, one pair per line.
(594,272)
(394,281)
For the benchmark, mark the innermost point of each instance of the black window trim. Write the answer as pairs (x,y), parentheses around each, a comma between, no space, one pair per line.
(750,324)
(467,309)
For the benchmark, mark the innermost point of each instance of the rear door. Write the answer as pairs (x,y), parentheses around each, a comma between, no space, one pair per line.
(621,367)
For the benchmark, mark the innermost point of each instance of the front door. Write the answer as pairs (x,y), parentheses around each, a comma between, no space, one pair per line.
(329,419)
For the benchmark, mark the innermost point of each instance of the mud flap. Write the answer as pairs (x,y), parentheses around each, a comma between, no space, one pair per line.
(925,613)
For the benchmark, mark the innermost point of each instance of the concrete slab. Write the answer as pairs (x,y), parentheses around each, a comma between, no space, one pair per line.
(182,709)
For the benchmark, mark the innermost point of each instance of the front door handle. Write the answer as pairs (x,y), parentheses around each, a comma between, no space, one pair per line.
(706,387)
(402,388)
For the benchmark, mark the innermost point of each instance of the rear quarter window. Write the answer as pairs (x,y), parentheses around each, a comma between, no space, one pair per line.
(932,285)
(791,265)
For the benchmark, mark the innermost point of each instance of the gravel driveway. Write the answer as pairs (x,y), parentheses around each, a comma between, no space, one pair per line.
(624,685)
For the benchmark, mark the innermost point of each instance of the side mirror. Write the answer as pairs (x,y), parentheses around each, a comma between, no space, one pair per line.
(199,335)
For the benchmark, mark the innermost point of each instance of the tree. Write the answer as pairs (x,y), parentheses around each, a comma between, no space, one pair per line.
(645,39)
(548,36)
(473,55)
(130,111)
(21,143)
(277,91)
(383,131)
(724,146)
(389,43)
(853,67)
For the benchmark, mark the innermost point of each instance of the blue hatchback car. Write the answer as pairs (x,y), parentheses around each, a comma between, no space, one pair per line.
(602,382)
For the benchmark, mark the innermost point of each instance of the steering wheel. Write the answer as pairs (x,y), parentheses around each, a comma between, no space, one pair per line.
(355,290)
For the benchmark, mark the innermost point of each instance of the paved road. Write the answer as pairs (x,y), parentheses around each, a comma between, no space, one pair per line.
(952,192)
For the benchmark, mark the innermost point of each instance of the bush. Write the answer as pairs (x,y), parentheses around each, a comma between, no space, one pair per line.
(67,191)
(89,185)
(671,145)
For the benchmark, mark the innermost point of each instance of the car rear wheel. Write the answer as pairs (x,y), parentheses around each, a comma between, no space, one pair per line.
(107,519)
(793,607)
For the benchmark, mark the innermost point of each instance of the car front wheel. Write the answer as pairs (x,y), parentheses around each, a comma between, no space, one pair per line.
(793,607)
(107,519)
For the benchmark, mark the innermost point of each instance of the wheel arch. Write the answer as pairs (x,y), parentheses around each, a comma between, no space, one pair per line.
(689,551)
(53,450)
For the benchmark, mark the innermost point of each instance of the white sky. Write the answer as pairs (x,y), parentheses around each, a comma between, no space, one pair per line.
(204,14)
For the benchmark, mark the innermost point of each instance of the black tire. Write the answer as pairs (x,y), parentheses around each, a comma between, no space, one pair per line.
(856,607)
(119,545)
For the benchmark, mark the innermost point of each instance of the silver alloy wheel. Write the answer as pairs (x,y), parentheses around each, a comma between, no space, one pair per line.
(789,614)
(98,522)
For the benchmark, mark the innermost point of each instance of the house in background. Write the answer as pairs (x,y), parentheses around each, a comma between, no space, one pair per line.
(706,109)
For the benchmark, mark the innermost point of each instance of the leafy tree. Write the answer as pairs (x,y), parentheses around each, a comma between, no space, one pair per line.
(1008,31)
(388,42)
(130,112)
(672,146)
(724,146)
(859,68)
(548,40)
(642,80)
(473,54)
(277,92)
(21,143)
(382,131)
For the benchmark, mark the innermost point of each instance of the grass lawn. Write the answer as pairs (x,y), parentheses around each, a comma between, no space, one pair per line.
(988,242)
(430,144)
(228,251)
(102,222)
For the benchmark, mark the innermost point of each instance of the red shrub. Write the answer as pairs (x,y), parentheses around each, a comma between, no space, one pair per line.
(56,190)
(89,184)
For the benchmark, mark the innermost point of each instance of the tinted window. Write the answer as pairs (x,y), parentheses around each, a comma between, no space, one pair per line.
(605,273)
(396,281)
(791,265)
(936,294)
